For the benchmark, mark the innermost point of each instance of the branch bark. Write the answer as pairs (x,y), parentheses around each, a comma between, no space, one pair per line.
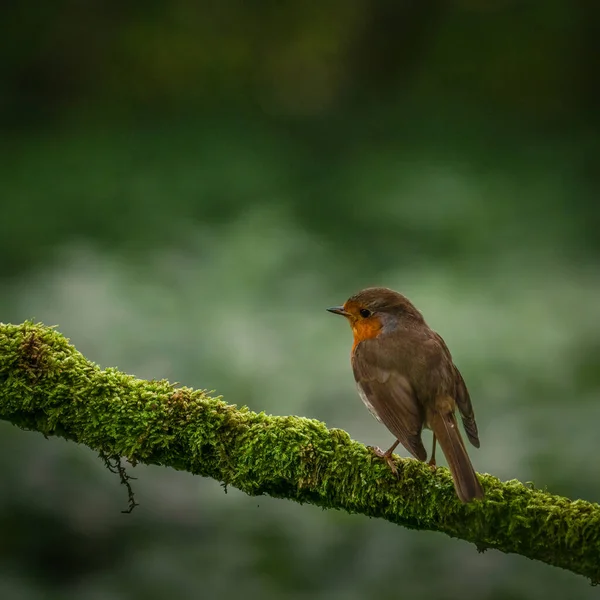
(46,385)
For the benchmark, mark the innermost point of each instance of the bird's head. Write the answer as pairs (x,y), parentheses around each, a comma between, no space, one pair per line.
(376,309)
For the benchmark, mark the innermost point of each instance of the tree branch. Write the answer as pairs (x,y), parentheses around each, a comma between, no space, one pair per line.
(46,385)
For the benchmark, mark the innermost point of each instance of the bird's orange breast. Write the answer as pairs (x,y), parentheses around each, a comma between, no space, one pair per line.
(365,329)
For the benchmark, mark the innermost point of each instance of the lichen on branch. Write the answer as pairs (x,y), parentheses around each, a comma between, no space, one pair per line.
(46,385)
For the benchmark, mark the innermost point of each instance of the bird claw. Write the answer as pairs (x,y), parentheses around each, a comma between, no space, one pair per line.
(377,451)
(432,464)
(387,456)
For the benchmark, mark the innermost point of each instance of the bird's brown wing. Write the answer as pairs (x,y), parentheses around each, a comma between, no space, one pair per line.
(462,397)
(463,401)
(389,396)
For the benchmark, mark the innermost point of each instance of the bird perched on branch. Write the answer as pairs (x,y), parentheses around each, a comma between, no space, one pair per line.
(408,381)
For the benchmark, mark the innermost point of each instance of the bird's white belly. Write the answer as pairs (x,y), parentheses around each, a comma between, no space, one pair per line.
(368,404)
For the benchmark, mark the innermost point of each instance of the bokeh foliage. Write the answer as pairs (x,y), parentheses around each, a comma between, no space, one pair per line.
(185,187)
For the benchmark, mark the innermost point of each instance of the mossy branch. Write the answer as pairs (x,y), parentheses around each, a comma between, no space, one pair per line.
(46,385)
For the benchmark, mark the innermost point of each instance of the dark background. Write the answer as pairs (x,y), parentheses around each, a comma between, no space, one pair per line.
(185,186)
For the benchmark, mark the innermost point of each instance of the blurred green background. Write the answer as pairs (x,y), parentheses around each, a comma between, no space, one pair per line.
(186,186)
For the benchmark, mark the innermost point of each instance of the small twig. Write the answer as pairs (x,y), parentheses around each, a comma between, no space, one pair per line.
(113,464)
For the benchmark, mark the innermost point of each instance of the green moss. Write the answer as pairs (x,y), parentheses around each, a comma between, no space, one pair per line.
(47,386)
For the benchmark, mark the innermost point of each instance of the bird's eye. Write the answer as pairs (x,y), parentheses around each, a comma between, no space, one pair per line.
(365,312)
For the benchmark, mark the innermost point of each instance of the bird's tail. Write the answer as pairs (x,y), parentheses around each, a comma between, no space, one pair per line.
(445,429)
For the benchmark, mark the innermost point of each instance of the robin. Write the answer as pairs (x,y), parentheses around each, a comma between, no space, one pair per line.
(406,378)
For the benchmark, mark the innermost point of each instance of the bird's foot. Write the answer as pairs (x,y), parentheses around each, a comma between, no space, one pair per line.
(432,464)
(387,456)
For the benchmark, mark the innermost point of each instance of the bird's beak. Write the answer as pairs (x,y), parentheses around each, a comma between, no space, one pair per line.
(338,310)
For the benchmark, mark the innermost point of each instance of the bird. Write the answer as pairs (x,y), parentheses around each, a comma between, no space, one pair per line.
(406,377)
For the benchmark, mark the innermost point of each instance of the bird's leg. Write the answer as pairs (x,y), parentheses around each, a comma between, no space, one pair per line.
(431,462)
(387,455)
